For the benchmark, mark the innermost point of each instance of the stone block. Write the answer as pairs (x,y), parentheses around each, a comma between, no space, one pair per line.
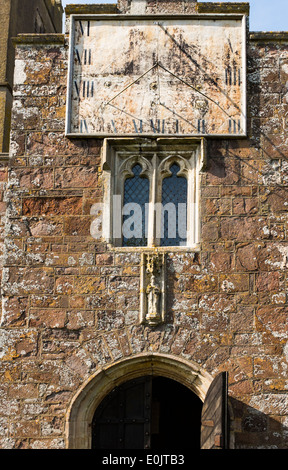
(77,226)
(47,318)
(52,206)
(79,177)
(19,281)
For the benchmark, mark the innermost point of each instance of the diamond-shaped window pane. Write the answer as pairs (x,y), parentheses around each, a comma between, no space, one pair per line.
(136,195)
(174,209)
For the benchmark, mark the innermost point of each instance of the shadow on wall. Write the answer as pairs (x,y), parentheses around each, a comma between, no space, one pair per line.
(256,429)
(262,157)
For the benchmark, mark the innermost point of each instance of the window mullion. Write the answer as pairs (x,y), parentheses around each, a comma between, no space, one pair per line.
(196,199)
(192,204)
(153,199)
(190,207)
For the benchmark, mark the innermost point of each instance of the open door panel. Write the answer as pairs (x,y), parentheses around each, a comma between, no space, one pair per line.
(214,419)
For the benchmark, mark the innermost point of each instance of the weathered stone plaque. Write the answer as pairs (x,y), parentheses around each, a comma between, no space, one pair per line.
(147,75)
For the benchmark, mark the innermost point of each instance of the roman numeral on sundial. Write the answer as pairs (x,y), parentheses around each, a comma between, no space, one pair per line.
(77,88)
(84,27)
(234,126)
(83,126)
(86,58)
(158,126)
(78,56)
(113,126)
(233,76)
(84,89)
(201,126)
(140,129)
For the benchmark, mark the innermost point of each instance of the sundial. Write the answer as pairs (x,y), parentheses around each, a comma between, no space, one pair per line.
(157,75)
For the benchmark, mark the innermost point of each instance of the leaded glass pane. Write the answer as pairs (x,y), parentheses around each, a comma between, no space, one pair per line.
(136,195)
(174,209)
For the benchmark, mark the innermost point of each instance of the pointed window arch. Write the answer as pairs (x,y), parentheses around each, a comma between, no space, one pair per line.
(142,180)
(174,209)
(135,198)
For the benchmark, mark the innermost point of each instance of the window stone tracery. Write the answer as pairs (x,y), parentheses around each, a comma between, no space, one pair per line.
(155,159)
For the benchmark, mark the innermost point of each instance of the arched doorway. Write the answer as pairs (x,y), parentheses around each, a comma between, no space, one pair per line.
(86,401)
(150,412)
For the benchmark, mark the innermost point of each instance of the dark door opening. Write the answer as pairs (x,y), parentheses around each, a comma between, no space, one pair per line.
(148,413)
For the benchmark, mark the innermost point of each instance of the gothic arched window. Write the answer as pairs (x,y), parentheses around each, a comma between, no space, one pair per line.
(151,194)
(174,209)
(135,198)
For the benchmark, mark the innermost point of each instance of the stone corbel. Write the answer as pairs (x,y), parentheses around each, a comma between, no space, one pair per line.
(152,291)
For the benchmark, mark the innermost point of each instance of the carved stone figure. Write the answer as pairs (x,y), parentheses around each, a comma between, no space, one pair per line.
(153,292)
(153,306)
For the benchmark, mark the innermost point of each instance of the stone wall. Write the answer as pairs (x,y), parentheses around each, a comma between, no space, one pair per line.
(20,16)
(71,305)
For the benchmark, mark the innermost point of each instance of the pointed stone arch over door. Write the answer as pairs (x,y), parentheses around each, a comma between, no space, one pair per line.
(150,412)
(84,404)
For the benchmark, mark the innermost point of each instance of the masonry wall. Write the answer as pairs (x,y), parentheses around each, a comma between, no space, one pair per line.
(28,16)
(71,305)
(20,16)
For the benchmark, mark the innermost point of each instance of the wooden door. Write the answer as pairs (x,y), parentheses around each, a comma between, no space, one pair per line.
(148,413)
(214,419)
(123,419)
